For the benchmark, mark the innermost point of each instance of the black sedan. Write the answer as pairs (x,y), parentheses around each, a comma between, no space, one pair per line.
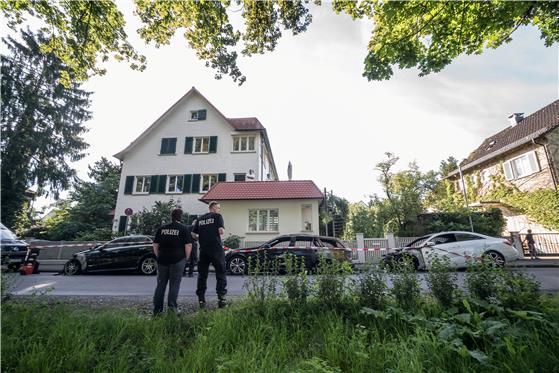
(130,253)
(13,250)
(308,247)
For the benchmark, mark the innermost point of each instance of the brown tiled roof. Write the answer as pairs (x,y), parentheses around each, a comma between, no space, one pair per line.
(263,190)
(246,124)
(529,128)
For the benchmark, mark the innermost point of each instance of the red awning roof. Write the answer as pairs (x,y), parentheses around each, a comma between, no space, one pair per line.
(255,190)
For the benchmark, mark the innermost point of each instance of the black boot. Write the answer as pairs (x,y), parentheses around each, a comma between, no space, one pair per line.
(222,303)
(202,303)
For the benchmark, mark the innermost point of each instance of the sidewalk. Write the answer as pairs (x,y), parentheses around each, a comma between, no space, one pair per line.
(542,262)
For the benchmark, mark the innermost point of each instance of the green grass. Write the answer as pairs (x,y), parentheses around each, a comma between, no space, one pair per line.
(273,336)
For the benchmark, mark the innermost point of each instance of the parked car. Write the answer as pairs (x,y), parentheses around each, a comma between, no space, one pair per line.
(130,253)
(308,247)
(12,249)
(458,247)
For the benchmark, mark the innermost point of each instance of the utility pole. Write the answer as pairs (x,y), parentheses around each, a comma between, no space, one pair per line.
(466,197)
(326,209)
(333,219)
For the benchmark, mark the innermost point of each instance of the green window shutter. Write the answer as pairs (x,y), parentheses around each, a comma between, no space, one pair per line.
(213,144)
(221,177)
(153,184)
(202,114)
(188,145)
(129,185)
(196,183)
(162,184)
(164,146)
(173,145)
(187,186)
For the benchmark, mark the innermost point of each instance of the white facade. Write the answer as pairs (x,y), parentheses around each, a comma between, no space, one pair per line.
(294,216)
(143,158)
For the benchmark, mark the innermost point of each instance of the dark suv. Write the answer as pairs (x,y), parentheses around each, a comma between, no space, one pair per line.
(308,247)
(12,250)
(130,253)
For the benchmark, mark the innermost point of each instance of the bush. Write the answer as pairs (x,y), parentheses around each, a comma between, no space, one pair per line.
(372,289)
(296,285)
(98,234)
(518,290)
(442,280)
(406,289)
(482,281)
(232,242)
(330,282)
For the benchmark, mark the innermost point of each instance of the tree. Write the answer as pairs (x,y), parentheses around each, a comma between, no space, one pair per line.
(148,221)
(428,35)
(42,123)
(334,215)
(447,166)
(78,33)
(85,214)
(360,219)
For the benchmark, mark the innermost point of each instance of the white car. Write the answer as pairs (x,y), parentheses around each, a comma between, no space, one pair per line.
(461,248)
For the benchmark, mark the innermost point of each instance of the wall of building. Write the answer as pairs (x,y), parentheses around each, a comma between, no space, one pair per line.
(552,139)
(235,215)
(144,158)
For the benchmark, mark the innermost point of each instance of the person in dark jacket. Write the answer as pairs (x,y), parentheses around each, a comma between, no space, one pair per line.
(208,230)
(531,244)
(172,245)
(193,254)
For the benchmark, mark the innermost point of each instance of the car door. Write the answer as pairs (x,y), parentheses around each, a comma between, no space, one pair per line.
(469,246)
(440,246)
(306,248)
(108,257)
(131,253)
(277,250)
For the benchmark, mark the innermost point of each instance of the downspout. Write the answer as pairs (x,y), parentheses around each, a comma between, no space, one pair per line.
(549,163)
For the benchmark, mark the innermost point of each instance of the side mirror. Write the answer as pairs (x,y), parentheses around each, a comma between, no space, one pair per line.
(266,246)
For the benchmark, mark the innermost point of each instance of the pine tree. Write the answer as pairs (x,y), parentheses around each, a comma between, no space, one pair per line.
(41,122)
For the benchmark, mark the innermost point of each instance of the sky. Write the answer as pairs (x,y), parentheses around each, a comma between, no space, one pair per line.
(320,113)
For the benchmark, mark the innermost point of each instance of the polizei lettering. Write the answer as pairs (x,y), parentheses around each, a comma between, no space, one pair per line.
(206,222)
(170,232)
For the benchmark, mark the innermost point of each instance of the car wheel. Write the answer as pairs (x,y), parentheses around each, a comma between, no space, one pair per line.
(72,267)
(495,258)
(403,258)
(148,266)
(237,265)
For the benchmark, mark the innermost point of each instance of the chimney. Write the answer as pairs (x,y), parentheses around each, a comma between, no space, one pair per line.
(515,118)
(289,171)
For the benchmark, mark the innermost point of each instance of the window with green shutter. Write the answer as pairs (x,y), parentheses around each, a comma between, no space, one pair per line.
(153,184)
(168,145)
(213,144)
(129,185)
(195,183)
(187,187)
(188,145)
(162,183)
(221,177)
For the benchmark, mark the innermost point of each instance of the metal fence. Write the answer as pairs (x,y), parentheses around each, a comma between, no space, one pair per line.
(547,244)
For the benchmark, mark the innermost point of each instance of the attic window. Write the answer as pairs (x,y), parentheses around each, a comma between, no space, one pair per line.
(196,115)
(491,144)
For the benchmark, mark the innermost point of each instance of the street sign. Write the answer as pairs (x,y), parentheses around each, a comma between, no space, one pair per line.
(128,211)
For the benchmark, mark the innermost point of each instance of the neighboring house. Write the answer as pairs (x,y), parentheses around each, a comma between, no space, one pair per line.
(526,154)
(185,152)
(261,210)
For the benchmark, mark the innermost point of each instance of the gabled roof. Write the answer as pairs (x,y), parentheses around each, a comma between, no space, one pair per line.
(239,124)
(262,190)
(531,127)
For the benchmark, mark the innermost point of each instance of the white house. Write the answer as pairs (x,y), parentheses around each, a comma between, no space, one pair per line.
(188,149)
(261,210)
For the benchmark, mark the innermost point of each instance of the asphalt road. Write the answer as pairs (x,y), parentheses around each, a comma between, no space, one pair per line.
(138,285)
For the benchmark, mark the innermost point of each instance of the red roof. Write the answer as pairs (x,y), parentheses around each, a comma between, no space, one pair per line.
(246,124)
(255,190)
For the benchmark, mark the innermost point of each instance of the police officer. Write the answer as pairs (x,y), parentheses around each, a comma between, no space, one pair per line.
(193,254)
(172,245)
(208,230)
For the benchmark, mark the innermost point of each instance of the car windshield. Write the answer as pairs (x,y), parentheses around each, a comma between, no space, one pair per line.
(418,242)
(5,234)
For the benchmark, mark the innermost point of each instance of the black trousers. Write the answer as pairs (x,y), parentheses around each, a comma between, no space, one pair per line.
(193,259)
(217,259)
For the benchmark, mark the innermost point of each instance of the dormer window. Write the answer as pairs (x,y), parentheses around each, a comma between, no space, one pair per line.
(491,144)
(196,115)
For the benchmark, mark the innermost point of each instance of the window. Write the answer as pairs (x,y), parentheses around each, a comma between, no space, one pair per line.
(207,182)
(240,177)
(443,238)
(196,115)
(201,145)
(244,143)
(518,167)
(484,176)
(168,145)
(473,180)
(174,184)
(264,220)
(306,214)
(467,237)
(142,184)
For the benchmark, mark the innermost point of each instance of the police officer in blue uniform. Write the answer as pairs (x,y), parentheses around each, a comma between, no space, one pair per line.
(172,245)
(208,229)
